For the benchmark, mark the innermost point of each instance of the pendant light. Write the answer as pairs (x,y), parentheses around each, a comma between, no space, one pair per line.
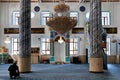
(60,40)
(61,21)
(7,40)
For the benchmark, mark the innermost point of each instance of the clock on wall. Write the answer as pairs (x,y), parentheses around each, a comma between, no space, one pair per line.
(37,8)
(82,8)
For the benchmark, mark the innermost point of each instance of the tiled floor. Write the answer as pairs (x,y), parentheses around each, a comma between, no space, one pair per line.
(63,72)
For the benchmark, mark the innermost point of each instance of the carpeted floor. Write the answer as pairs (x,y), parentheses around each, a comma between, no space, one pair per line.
(63,72)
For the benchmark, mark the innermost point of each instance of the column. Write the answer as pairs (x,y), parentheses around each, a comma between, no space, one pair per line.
(96,54)
(67,47)
(118,54)
(52,35)
(24,60)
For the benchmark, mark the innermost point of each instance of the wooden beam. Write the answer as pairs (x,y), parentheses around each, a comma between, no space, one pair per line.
(16,1)
(58,0)
(79,0)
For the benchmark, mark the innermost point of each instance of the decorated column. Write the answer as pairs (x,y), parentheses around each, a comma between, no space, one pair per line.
(67,47)
(24,60)
(52,36)
(96,54)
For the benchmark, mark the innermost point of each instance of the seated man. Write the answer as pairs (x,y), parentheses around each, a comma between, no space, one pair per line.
(13,70)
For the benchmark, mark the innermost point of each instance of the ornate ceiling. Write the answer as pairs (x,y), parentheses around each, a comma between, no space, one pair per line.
(58,0)
(79,0)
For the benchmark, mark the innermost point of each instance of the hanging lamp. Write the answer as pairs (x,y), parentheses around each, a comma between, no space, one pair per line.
(113,39)
(60,40)
(61,20)
(7,40)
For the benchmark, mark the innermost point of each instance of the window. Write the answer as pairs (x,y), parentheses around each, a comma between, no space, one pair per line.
(87,16)
(45,45)
(108,46)
(74,15)
(105,18)
(15,46)
(44,16)
(16,16)
(73,46)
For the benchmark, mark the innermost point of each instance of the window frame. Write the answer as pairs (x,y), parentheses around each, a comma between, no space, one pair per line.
(73,50)
(13,43)
(15,17)
(43,18)
(46,44)
(108,50)
(108,20)
(16,22)
(77,16)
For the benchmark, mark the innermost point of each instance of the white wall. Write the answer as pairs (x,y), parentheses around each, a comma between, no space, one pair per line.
(59,50)
(6,10)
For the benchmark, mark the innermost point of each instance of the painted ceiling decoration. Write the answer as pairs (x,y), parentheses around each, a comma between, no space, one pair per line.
(58,0)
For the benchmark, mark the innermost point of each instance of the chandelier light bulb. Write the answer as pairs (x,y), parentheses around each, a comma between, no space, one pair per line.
(59,14)
(60,40)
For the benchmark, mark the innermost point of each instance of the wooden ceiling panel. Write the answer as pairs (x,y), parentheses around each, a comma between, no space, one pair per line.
(58,0)
(16,0)
(79,0)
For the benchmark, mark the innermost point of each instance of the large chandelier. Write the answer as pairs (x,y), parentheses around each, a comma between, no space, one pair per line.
(61,20)
(61,7)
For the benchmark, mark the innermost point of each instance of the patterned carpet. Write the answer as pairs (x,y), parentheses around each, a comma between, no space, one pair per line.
(63,72)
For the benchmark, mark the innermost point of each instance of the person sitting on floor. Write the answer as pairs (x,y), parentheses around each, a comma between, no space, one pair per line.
(13,70)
